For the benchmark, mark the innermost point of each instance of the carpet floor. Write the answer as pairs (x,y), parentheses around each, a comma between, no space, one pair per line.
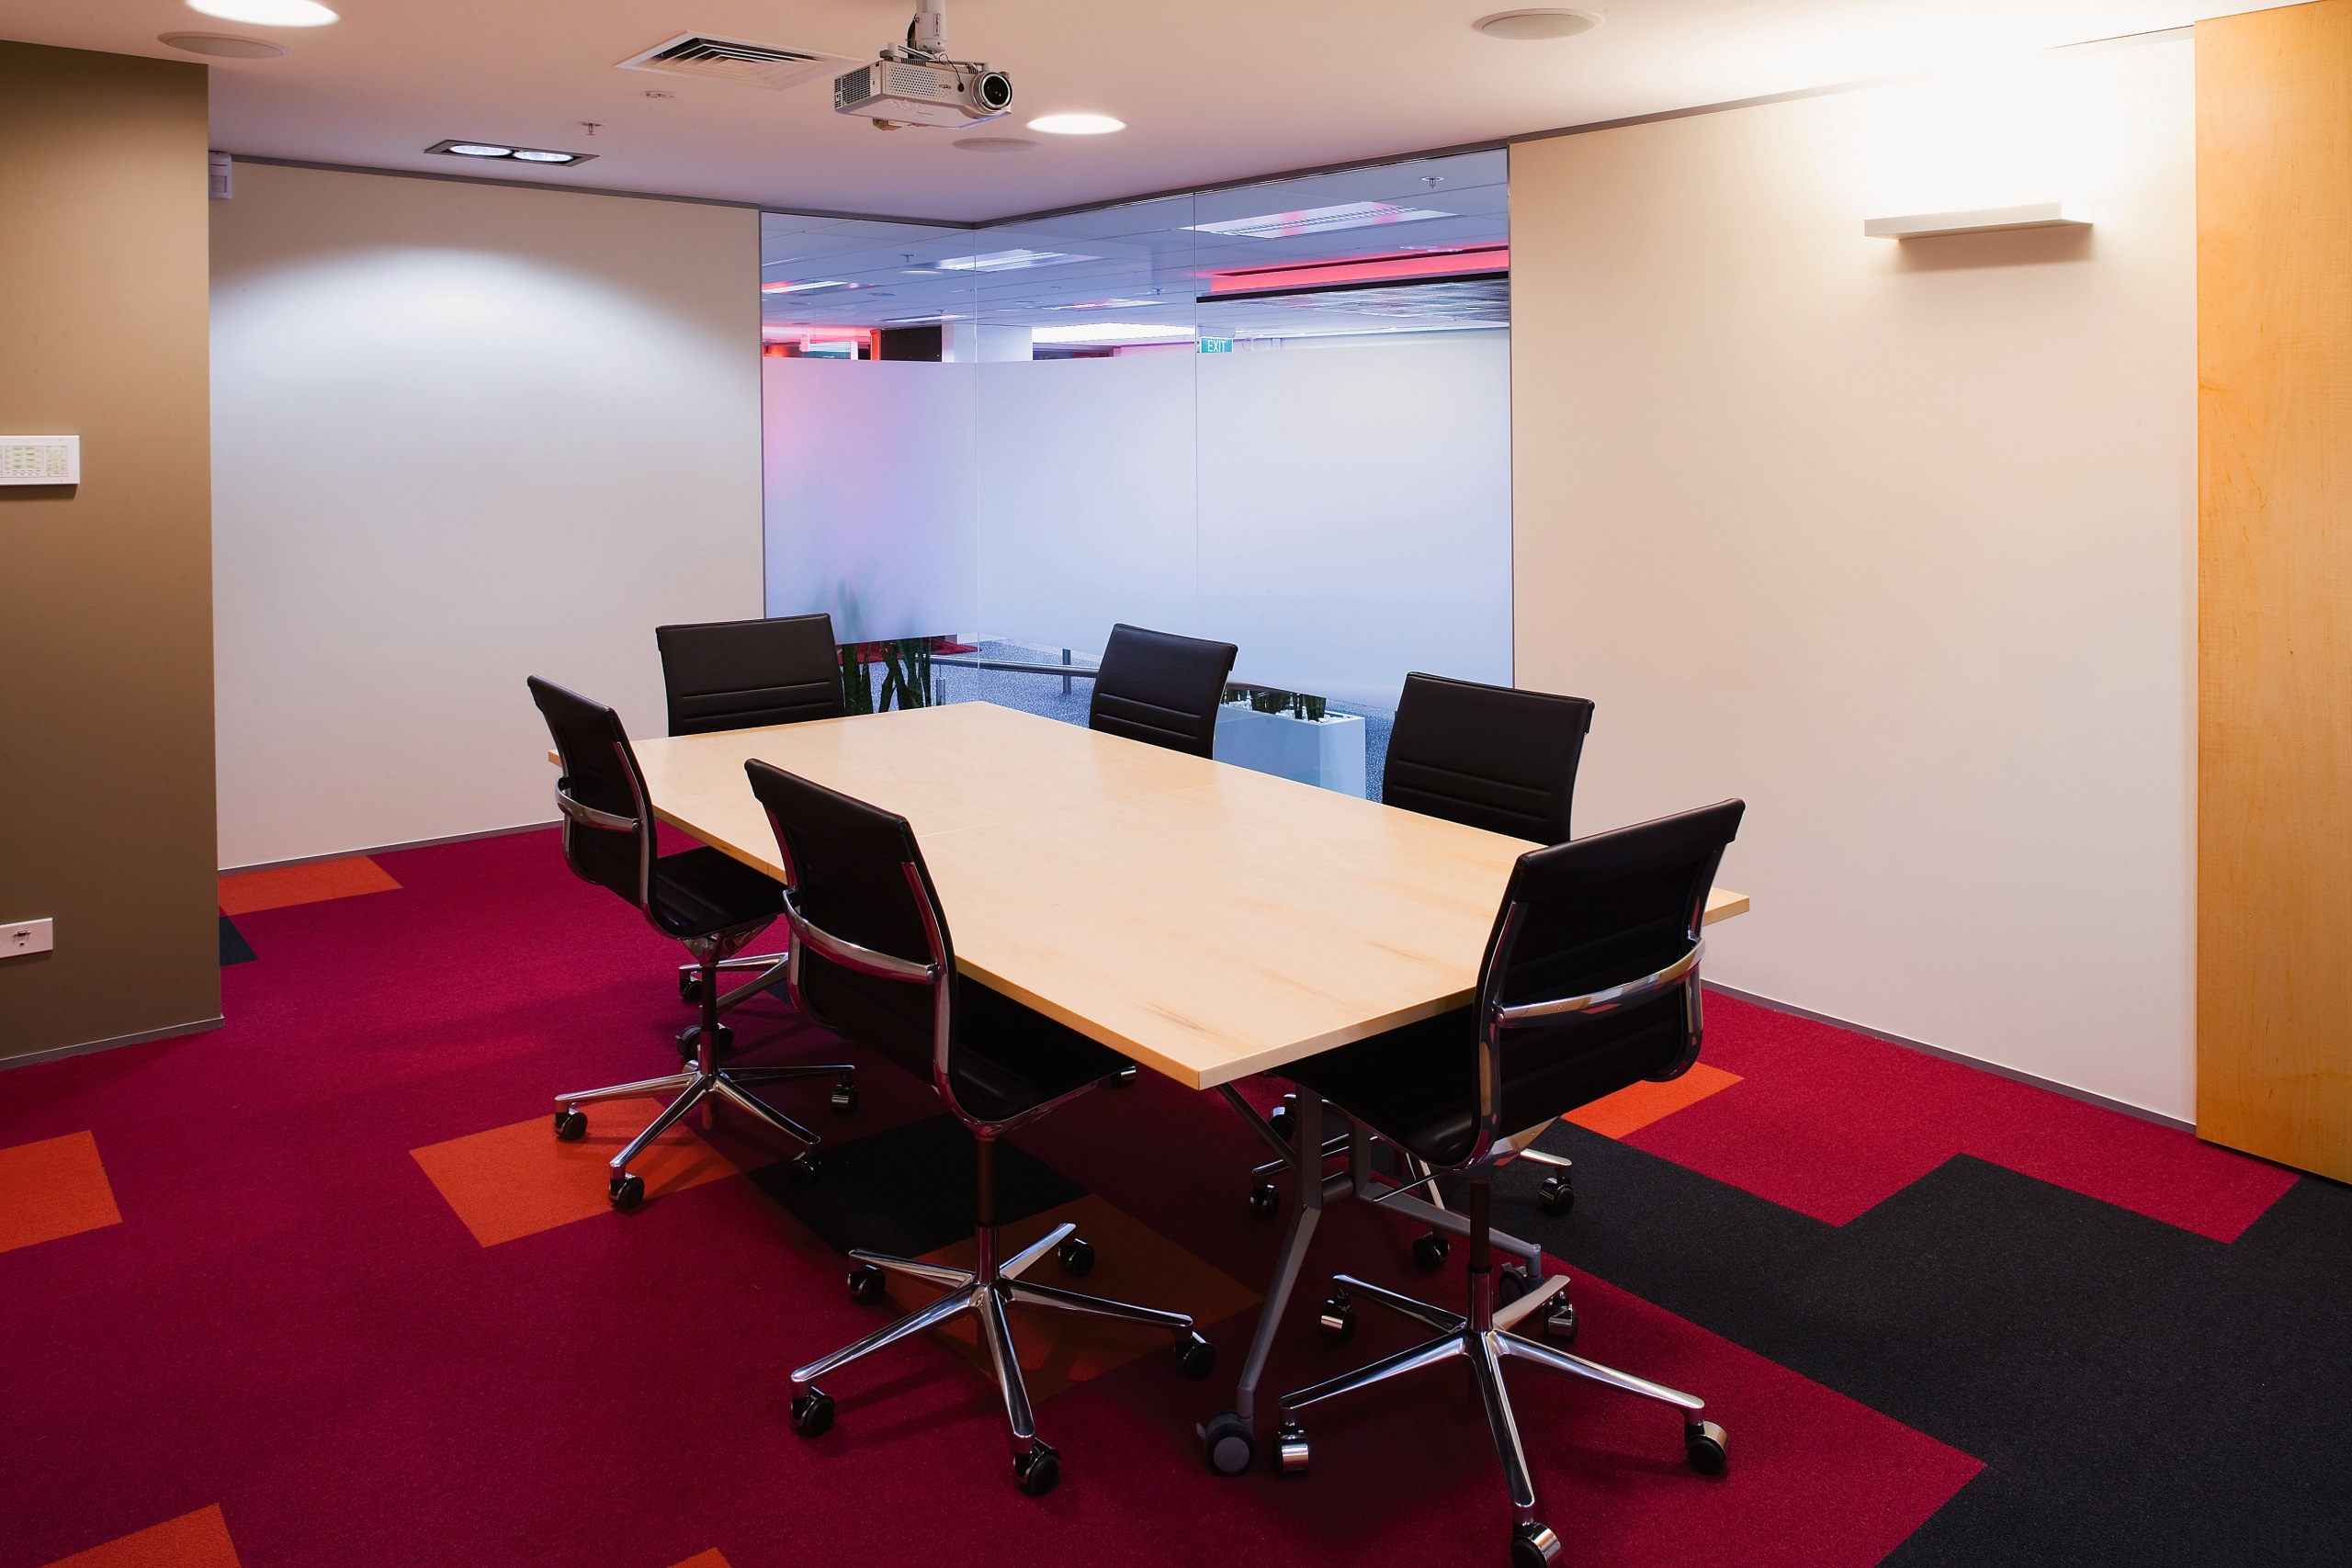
(320,1287)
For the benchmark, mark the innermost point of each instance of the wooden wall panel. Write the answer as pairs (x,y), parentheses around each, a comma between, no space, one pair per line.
(2274,198)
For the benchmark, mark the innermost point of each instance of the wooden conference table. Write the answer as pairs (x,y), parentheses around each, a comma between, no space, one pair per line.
(1208,921)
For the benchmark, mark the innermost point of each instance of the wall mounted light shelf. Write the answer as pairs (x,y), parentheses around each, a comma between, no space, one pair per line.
(1985,220)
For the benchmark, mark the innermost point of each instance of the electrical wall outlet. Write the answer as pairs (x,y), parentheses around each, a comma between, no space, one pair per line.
(27,936)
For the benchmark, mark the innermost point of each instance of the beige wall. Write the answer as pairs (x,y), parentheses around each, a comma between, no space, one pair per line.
(463,433)
(106,609)
(1895,541)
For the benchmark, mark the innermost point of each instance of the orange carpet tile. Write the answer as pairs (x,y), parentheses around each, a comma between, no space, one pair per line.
(313,884)
(1631,1109)
(193,1540)
(57,1187)
(518,1180)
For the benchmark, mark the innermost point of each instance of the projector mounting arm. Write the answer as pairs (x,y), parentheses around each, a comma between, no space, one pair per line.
(927,34)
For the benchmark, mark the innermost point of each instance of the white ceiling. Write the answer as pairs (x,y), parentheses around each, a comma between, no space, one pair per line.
(1211,90)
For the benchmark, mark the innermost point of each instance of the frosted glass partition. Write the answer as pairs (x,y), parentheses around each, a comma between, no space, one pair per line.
(1277,415)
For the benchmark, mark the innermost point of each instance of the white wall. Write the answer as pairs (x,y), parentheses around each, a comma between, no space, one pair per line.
(872,495)
(461,435)
(1895,542)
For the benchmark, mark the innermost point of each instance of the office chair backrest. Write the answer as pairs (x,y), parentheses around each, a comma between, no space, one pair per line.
(1618,909)
(1160,689)
(744,674)
(854,874)
(608,835)
(1488,757)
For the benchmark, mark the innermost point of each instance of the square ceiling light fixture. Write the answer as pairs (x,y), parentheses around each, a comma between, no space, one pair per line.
(500,152)
(1317,220)
(1007,261)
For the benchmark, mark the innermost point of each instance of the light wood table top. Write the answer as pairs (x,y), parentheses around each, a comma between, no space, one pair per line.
(1209,921)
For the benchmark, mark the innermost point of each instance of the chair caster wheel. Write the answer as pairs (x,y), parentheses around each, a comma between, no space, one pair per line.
(1228,1444)
(1284,1120)
(865,1283)
(1560,1322)
(1291,1455)
(800,1172)
(571,1125)
(626,1192)
(1703,1444)
(812,1413)
(1511,1281)
(1037,1470)
(1077,1257)
(1555,1196)
(1532,1545)
(1195,1357)
(1265,1201)
(690,1037)
(690,986)
(1428,1252)
(1337,1323)
(844,1096)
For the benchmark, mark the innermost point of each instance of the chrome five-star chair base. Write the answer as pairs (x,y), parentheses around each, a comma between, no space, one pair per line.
(986,1293)
(1485,1339)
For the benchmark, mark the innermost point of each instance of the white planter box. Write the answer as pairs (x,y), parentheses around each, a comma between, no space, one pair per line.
(1327,751)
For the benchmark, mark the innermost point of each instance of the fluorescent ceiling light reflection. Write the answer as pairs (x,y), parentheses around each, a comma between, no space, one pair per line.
(804,288)
(1113,332)
(1008,261)
(1317,220)
(268,13)
(920,320)
(1108,305)
(1077,124)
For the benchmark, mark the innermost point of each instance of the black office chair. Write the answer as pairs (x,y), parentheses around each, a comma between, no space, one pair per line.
(1497,758)
(1490,757)
(1160,689)
(1590,984)
(872,958)
(746,675)
(713,904)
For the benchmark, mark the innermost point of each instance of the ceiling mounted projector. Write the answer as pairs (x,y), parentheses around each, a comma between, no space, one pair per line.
(915,83)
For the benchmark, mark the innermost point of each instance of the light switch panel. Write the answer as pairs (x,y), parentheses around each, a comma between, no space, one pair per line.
(27,936)
(40,459)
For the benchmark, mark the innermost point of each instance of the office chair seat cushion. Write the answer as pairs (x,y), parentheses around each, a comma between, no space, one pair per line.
(1010,1059)
(696,891)
(1418,1086)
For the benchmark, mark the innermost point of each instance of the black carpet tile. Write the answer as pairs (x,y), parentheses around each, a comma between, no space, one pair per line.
(234,948)
(2140,1396)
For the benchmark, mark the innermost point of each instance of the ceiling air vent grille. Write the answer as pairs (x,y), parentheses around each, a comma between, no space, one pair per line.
(738,61)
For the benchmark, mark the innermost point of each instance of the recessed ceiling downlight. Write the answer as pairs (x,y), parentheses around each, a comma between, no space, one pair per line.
(268,13)
(479,150)
(1077,124)
(996,144)
(545,156)
(220,46)
(1532,26)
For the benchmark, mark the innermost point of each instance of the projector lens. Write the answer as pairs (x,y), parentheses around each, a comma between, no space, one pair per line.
(995,91)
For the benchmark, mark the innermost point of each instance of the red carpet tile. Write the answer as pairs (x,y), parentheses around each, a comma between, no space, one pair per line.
(54,1188)
(193,1540)
(291,1323)
(1831,1123)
